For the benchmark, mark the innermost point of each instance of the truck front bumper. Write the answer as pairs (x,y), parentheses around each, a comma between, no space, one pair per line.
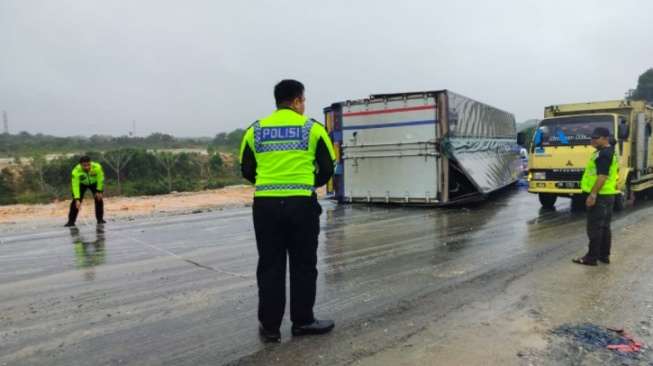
(553,187)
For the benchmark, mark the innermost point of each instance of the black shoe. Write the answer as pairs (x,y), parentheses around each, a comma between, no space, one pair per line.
(270,335)
(101,222)
(605,260)
(316,327)
(585,261)
(69,224)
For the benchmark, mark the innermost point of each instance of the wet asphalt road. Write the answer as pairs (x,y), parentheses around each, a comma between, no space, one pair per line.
(128,295)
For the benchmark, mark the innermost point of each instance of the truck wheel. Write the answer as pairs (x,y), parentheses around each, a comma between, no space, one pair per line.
(640,196)
(619,202)
(547,199)
(621,199)
(577,202)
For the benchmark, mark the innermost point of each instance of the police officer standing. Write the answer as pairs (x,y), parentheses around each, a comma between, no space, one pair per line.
(87,175)
(599,183)
(286,156)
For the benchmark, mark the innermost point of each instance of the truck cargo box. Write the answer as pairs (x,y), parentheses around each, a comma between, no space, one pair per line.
(432,147)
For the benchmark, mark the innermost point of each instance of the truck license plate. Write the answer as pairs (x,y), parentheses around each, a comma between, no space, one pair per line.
(568,185)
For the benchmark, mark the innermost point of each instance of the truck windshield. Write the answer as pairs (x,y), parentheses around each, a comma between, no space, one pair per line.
(573,130)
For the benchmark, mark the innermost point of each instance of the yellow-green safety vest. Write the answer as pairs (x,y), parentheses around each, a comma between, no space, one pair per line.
(590,176)
(94,175)
(284,145)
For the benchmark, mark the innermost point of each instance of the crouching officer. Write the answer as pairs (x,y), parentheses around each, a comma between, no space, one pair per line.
(87,175)
(287,156)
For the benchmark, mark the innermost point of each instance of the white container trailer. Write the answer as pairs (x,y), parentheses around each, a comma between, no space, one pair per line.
(433,147)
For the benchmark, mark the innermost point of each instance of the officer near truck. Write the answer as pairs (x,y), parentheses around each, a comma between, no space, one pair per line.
(599,184)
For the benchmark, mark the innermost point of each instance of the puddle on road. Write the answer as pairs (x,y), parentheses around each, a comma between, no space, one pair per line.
(89,251)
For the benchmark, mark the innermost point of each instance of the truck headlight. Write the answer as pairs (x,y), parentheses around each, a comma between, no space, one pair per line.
(539,176)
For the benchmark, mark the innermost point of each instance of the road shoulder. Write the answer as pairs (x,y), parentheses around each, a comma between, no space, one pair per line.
(514,326)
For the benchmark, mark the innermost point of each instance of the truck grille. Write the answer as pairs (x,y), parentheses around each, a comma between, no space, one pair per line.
(575,176)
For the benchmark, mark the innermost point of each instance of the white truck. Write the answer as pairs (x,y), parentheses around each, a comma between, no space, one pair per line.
(432,147)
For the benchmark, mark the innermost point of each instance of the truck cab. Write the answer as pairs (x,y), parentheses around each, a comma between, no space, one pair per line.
(561,149)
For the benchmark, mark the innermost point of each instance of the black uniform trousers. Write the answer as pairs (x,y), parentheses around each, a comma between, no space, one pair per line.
(286,227)
(99,204)
(599,218)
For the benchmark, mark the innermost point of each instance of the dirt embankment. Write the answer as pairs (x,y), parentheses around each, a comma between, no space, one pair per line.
(14,218)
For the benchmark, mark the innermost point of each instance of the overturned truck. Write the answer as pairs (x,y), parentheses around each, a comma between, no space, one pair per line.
(433,147)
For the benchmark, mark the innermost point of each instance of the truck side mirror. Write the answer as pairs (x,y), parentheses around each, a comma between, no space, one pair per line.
(623,131)
(521,138)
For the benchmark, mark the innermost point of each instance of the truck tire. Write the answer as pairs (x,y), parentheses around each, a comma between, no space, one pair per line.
(621,199)
(619,202)
(547,200)
(640,196)
(577,202)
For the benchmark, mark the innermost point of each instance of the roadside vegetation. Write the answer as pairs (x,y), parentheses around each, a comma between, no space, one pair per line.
(36,168)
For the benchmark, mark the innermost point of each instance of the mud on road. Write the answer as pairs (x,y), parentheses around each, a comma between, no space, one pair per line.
(471,285)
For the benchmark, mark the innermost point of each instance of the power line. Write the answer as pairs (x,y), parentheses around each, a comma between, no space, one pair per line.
(6,119)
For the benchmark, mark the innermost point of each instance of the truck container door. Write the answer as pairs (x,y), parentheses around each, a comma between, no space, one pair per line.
(388,147)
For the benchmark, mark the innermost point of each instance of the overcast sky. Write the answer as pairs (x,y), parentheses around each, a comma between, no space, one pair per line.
(196,68)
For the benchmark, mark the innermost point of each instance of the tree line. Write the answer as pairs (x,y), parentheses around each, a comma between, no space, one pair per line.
(23,143)
(31,177)
(644,89)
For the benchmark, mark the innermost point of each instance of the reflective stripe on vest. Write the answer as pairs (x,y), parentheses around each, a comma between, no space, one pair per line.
(279,187)
(283,146)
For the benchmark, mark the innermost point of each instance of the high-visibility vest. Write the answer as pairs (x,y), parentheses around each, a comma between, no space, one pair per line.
(284,146)
(94,175)
(590,176)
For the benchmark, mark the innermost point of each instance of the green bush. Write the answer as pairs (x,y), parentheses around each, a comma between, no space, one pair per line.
(143,188)
(32,198)
(7,200)
(224,182)
(184,185)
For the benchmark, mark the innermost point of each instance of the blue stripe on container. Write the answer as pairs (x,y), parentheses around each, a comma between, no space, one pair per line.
(388,125)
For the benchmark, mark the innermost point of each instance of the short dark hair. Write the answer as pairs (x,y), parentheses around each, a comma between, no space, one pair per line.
(287,90)
(85,159)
